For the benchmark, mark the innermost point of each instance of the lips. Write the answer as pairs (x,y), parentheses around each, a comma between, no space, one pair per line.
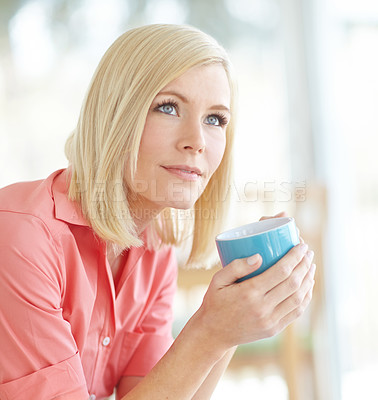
(184,171)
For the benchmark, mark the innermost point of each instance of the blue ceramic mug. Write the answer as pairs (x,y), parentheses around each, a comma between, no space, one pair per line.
(271,238)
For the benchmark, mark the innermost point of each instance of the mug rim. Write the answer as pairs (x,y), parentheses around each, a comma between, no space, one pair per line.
(282,221)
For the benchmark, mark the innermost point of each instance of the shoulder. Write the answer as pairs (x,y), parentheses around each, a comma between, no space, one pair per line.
(30,206)
(34,197)
(28,249)
(23,229)
(29,233)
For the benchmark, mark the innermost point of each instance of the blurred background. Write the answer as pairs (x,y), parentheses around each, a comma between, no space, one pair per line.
(306,144)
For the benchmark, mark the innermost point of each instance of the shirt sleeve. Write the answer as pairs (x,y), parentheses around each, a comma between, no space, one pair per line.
(156,337)
(39,356)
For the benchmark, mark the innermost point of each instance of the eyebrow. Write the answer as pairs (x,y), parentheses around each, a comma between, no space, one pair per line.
(185,100)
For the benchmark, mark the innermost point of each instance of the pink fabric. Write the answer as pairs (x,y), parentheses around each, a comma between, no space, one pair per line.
(66,327)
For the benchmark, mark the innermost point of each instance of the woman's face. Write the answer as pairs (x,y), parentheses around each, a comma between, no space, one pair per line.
(184,139)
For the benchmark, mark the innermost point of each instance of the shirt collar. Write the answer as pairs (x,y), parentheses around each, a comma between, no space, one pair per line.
(69,211)
(66,209)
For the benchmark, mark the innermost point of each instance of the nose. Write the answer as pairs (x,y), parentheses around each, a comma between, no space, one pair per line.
(192,138)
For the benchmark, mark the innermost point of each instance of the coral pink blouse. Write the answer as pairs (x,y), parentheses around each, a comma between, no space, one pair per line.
(68,329)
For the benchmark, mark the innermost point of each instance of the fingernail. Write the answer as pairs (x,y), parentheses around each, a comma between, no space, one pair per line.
(253,259)
(303,247)
(312,270)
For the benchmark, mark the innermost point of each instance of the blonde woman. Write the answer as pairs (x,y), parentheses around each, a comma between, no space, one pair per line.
(87,271)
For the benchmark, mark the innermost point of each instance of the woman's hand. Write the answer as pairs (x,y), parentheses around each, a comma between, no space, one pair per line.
(260,307)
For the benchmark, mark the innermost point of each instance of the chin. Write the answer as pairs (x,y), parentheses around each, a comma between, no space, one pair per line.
(183,199)
(182,205)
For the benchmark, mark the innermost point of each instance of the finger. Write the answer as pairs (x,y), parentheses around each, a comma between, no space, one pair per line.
(237,269)
(279,215)
(293,283)
(296,300)
(280,271)
(297,312)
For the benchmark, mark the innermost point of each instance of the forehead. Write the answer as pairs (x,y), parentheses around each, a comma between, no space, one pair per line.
(205,81)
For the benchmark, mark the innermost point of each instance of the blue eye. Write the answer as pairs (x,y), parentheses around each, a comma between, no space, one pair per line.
(169,108)
(213,120)
(216,120)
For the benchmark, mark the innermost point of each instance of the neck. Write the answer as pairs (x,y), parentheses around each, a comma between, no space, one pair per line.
(143,212)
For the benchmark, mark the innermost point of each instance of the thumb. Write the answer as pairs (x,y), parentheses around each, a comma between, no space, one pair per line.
(279,215)
(238,269)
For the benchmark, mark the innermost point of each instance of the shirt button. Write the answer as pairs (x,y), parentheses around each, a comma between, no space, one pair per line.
(106,341)
(92,397)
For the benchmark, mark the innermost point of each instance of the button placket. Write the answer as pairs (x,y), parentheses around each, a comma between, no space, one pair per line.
(106,341)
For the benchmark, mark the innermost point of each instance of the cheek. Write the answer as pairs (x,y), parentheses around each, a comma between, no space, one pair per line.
(155,138)
(150,147)
(217,148)
(148,142)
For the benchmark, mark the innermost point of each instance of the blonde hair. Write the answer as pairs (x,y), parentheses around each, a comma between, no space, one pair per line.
(106,140)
